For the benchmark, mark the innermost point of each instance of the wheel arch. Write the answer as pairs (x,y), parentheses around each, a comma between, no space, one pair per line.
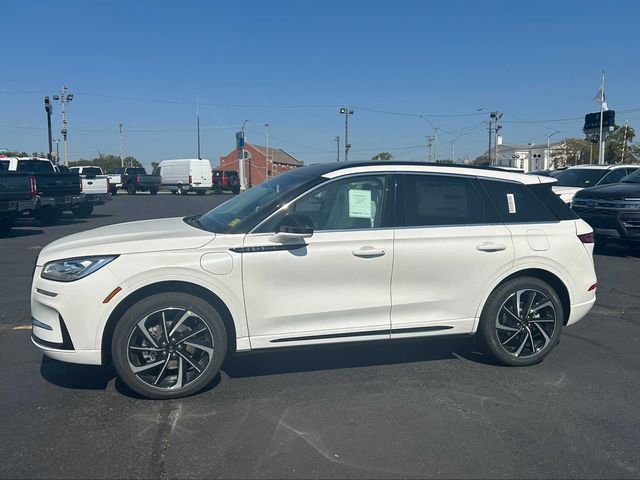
(546,276)
(160,287)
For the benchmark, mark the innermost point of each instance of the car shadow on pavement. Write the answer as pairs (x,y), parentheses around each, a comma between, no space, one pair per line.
(74,376)
(350,355)
(22,232)
(618,250)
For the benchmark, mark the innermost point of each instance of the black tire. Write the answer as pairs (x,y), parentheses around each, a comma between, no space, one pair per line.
(131,189)
(127,329)
(200,192)
(153,191)
(217,189)
(6,224)
(83,211)
(236,191)
(181,190)
(48,215)
(500,321)
(173,192)
(114,191)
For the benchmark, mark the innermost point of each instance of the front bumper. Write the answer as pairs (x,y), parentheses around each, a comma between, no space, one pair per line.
(68,318)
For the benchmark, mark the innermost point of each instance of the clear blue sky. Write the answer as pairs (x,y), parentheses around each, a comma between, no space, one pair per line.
(291,63)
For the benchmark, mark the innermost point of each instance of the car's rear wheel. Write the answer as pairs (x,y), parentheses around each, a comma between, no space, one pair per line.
(153,191)
(169,345)
(131,189)
(181,190)
(522,321)
(6,224)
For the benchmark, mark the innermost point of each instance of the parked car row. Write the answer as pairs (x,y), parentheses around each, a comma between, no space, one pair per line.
(607,197)
(32,187)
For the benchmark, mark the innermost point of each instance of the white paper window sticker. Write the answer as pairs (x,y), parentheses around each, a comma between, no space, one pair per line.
(511,201)
(360,203)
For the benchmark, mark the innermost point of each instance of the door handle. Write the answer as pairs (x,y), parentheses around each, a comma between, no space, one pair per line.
(491,247)
(369,252)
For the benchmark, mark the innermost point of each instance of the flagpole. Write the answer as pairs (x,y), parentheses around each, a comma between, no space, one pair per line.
(601,137)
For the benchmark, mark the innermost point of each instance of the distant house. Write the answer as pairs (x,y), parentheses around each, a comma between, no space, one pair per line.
(531,157)
(256,167)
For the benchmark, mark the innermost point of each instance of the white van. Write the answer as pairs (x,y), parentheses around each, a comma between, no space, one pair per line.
(185,175)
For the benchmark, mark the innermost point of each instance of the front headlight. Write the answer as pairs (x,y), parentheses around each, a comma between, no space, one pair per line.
(71,269)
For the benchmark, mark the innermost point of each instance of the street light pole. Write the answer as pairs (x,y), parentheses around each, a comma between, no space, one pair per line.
(57,142)
(429,144)
(453,146)
(47,107)
(337,148)
(549,149)
(243,182)
(434,138)
(346,111)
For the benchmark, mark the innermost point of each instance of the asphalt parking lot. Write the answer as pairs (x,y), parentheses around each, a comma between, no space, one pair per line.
(430,408)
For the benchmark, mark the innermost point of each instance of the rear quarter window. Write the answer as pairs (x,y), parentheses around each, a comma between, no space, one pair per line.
(516,203)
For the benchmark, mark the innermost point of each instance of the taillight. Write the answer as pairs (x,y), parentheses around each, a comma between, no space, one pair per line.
(32,186)
(138,179)
(592,287)
(587,238)
(80,179)
(190,180)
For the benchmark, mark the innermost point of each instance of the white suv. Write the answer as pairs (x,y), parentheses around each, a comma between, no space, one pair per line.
(331,253)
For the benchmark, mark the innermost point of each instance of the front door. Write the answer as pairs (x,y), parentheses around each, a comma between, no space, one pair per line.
(333,286)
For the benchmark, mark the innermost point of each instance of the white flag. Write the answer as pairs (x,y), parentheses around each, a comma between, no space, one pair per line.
(600,96)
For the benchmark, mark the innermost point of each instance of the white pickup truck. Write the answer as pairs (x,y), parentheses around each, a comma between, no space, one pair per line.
(95,187)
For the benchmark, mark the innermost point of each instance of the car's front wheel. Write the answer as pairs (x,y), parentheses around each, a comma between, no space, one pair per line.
(521,321)
(169,345)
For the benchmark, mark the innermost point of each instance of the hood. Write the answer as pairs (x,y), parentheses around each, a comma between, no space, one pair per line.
(614,191)
(133,237)
(565,193)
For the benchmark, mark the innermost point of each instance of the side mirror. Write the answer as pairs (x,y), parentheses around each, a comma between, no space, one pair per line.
(294,225)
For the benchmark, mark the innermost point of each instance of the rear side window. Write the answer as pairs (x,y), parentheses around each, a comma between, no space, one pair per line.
(432,200)
(36,166)
(561,210)
(614,176)
(4,165)
(516,203)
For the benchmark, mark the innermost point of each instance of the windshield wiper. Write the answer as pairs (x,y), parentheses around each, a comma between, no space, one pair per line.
(194,221)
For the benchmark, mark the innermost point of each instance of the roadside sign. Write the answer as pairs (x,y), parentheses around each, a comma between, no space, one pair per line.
(239,140)
(592,122)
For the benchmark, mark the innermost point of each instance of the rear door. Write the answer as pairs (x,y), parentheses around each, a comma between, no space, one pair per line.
(448,248)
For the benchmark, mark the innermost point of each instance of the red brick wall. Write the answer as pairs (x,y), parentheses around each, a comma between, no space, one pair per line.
(254,168)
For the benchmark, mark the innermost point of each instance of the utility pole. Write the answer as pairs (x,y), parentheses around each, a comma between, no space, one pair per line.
(47,108)
(64,99)
(346,111)
(198,126)
(337,148)
(602,101)
(548,165)
(430,139)
(490,133)
(435,144)
(624,142)
(266,161)
(495,116)
(57,142)
(453,146)
(121,145)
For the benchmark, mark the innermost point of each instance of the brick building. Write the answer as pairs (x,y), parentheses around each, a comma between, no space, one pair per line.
(256,167)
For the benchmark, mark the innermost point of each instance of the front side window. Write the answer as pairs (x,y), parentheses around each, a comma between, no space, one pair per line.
(580,177)
(353,203)
(437,200)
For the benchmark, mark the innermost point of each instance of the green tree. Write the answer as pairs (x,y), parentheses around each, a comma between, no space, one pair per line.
(482,160)
(154,166)
(382,156)
(107,162)
(614,143)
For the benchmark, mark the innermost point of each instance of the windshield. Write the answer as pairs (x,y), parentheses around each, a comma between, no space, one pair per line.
(633,178)
(242,213)
(580,177)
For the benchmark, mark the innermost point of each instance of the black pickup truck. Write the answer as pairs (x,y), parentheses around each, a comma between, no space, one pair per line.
(17,198)
(136,179)
(55,191)
(612,210)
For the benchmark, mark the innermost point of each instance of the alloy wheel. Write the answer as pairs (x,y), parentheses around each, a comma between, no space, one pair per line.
(170,348)
(525,323)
